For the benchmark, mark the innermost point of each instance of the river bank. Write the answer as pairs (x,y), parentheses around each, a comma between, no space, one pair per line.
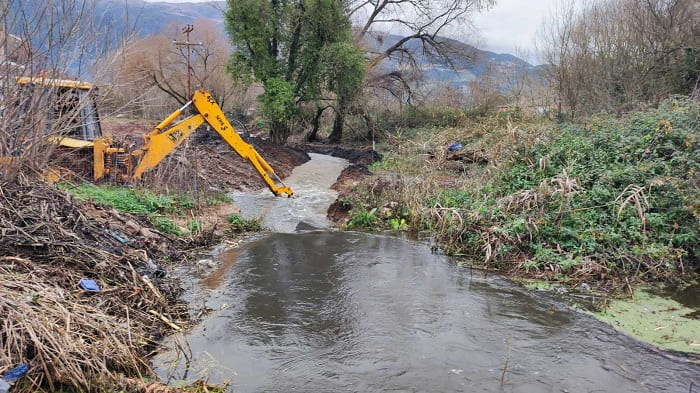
(606,201)
(87,283)
(605,207)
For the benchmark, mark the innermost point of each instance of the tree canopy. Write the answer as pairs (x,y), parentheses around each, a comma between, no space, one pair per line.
(300,50)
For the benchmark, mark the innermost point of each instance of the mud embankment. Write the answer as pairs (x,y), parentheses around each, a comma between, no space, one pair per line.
(360,161)
(218,166)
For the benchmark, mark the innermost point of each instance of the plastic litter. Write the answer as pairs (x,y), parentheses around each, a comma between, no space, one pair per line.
(89,285)
(119,238)
(4,386)
(16,373)
(455,146)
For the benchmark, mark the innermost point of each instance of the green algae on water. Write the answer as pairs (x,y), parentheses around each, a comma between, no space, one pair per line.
(658,320)
(538,285)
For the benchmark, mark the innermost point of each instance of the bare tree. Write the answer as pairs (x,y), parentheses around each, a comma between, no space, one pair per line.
(42,39)
(423,21)
(609,55)
(153,64)
(421,24)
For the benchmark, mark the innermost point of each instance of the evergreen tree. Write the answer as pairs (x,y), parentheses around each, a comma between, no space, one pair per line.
(300,50)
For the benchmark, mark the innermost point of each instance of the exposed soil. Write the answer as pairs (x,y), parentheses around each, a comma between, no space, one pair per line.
(218,166)
(222,168)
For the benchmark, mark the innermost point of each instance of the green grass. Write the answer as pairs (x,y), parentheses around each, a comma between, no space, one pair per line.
(140,201)
(165,225)
(132,200)
(238,224)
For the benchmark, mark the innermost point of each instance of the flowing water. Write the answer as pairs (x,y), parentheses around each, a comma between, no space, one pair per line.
(311,184)
(325,311)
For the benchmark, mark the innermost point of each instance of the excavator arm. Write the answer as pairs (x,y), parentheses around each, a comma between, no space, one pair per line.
(159,143)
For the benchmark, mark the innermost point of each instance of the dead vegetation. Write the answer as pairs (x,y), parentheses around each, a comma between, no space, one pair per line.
(73,338)
(597,201)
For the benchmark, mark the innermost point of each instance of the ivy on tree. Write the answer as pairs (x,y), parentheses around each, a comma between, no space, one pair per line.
(297,50)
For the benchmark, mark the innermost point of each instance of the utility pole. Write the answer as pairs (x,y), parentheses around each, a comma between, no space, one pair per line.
(188,45)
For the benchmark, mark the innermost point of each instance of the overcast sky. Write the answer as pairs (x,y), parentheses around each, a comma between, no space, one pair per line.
(512,25)
(508,27)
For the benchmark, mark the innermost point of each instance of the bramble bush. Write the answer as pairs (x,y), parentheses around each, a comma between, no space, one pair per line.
(602,197)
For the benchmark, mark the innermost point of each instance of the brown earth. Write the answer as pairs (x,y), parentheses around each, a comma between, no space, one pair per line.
(218,166)
(222,168)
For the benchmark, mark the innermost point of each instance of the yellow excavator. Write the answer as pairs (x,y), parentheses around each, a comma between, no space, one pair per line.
(120,164)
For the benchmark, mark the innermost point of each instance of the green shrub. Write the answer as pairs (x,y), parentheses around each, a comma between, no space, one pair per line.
(605,196)
(635,205)
(363,219)
(165,225)
(238,224)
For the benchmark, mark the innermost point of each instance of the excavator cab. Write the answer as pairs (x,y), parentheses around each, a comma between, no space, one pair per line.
(69,118)
(75,110)
(73,105)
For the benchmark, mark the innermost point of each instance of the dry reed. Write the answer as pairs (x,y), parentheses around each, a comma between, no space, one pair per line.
(73,338)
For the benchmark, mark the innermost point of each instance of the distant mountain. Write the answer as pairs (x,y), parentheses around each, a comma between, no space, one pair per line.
(122,17)
(148,18)
(468,63)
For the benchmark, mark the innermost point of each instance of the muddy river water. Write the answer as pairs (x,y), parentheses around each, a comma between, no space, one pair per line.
(315,310)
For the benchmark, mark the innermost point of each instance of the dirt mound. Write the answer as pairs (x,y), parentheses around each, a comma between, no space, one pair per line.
(73,337)
(222,168)
(218,167)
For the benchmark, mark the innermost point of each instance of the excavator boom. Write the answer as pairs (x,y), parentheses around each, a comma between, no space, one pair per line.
(110,159)
(159,143)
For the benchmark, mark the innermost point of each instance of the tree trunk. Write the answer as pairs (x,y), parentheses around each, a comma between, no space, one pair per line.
(369,124)
(312,136)
(279,132)
(337,133)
